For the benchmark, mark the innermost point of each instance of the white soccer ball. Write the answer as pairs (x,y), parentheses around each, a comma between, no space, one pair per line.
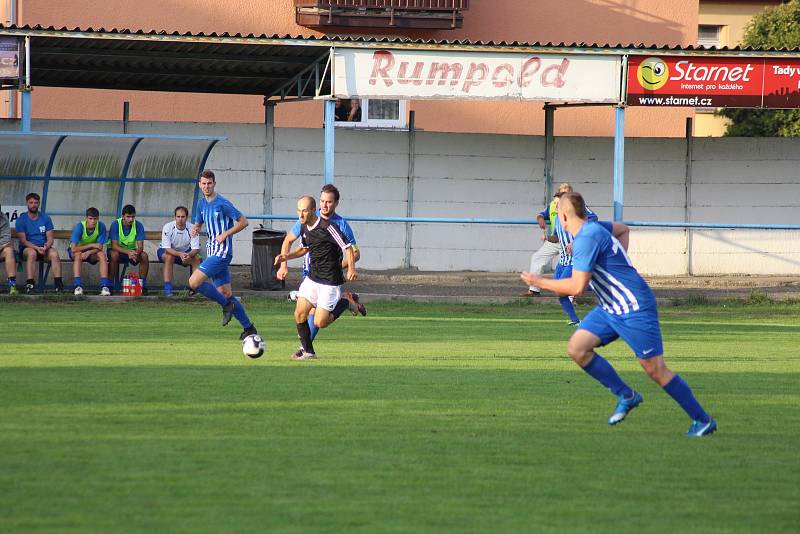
(293,295)
(253,346)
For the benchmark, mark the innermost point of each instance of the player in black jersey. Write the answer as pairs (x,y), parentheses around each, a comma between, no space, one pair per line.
(322,288)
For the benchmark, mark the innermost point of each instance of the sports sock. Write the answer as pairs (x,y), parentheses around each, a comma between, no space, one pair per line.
(240,314)
(312,327)
(29,282)
(679,390)
(207,289)
(340,307)
(105,282)
(78,281)
(305,337)
(143,281)
(12,281)
(604,372)
(566,303)
(167,287)
(59,282)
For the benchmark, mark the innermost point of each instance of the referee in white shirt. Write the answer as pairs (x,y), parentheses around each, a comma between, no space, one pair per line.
(178,246)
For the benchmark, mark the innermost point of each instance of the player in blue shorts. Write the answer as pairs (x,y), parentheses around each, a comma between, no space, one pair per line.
(222,221)
(328,201)
(627,308)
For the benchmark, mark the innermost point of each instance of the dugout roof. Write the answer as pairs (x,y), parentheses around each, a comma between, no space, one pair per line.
(269,65)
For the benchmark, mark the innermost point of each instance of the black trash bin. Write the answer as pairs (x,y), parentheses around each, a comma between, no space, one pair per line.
(266,245)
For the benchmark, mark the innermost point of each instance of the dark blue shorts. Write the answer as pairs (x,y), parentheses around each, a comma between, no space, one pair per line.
(562,271)
(216,269)
(639,329)
(92,259)
(124,259)
(162,251)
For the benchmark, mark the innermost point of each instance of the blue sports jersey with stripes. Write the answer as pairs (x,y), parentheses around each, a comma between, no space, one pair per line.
(219,215)
(620,289)
(565,238)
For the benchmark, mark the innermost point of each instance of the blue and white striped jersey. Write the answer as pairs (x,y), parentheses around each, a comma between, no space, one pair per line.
(620,289)
(219,215)
(565,238)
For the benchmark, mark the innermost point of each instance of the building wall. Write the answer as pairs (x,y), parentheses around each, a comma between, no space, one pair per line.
(733,180)
(589,21)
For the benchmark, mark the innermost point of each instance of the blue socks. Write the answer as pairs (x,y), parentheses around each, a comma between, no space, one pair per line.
(105,282)
(78,282)
(569,309)
(682,393)
(603,372)
(312,326)
(207,289)
(168,288)
(240,314)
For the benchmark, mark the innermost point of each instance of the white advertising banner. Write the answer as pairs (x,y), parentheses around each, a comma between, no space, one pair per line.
(398,74)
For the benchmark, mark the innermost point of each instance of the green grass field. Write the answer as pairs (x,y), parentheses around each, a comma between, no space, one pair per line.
(146,417)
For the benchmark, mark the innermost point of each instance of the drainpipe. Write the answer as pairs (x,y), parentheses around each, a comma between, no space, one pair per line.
(12,95)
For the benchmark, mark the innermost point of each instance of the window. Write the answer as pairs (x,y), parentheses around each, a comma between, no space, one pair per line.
(370,113)
(708,35)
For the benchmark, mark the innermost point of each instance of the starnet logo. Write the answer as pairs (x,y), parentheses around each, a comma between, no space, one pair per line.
(687,71)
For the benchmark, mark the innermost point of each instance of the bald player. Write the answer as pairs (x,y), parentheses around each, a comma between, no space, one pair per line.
(322,288)
(627,308)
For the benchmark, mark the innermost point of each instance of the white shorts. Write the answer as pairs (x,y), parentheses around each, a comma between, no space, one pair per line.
(320,295)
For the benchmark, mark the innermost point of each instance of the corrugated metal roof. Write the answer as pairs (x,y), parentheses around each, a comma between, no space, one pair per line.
(238,63)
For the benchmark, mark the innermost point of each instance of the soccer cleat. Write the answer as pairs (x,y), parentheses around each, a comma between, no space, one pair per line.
(105,292)
(307,356)
(12,290)
(530,293)
(29,289)
(624,407)
(227,312)
(298,354)
(145,292)
(700,429)
(167,292)
(574,323)
(355,305)
(78,291)
(58,289)
(250,330)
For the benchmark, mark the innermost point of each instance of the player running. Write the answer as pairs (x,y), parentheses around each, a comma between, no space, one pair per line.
(222,221)
(322,288)
(627,308)
(328,202)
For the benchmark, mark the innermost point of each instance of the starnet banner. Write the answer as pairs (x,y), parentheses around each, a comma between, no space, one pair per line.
(9,58)
(397,74)
(714,82)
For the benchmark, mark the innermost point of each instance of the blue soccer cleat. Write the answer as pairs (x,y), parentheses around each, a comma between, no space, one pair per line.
(700,429)
(624,406)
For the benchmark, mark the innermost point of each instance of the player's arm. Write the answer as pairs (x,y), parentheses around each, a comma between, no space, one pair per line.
(50,234)
(299,252)
(350,259)
(241,224)
(623,234)
(290,238)
(356,257)
(575,285)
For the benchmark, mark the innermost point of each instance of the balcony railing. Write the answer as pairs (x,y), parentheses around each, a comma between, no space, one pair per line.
(411,14)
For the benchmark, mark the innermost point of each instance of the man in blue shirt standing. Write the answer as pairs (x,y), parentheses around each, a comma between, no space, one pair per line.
(222,221)
(35,235)
(627,308)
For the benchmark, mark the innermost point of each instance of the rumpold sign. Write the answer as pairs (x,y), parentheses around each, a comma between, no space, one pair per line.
(398,74)
(9,58)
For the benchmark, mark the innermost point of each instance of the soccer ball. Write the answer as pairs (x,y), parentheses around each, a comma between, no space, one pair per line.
(253,346)
(293,296)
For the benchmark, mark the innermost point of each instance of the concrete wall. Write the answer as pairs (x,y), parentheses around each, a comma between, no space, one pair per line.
(732,180)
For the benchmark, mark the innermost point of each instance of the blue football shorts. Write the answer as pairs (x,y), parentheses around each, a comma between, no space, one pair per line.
(124,259)
(639,329)
(216,268)
(92,259)
(562,271)
(160,252)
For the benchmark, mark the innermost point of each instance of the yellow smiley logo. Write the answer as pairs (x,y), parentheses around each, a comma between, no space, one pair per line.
(652,73)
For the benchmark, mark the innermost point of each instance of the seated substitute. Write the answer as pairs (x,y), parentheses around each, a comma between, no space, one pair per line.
(178,246)
(86,245)
(35,236)
(126,236)
(7,253)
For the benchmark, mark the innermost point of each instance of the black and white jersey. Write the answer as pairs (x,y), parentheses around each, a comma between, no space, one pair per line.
(325,243)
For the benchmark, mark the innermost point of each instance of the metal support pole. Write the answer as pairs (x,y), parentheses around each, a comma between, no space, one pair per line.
(549,146)
(688,209)
(126,116)
(410,188)
(619,162)
(25,123)
(269,155)
(330,139)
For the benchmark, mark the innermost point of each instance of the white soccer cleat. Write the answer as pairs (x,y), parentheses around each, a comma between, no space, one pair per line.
(105,292)
(78,291)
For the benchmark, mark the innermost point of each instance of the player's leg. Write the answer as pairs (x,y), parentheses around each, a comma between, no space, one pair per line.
(113,267)
(301,311)
(596,331)
(169,261)
(7,256)
(144,269)
(643,335)
(200,283)
(330,305)
(100,258)
(542,261)
(77,267)
(29,256)
(565,271)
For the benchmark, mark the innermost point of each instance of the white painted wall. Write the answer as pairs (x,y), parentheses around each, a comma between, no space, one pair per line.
(496,176)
